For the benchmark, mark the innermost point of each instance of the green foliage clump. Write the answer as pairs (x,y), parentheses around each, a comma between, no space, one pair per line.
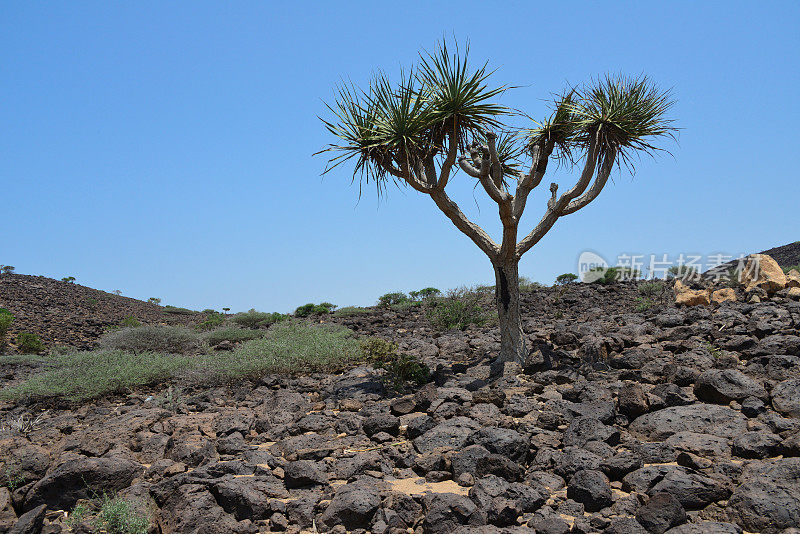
(459,309)
(306,310)
(213,320)
(424,293)
(257,319)
(11,475)
(154,300)
(793,267)
(400,369)
(350,311)
(392,299)
(566,278)
(612,275)
(651,290)
(80,376)
(28,343)
(644,304)
(118,516)
(6,318)
(7,269)
(527,285)
(234,335)
(178,311)
(68,279)
(170,339)
(291,347)
(130,322)
(682,272)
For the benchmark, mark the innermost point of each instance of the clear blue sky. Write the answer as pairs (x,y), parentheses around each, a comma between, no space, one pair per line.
(165,149)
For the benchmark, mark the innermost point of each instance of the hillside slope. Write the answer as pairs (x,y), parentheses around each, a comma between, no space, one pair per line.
(63,313)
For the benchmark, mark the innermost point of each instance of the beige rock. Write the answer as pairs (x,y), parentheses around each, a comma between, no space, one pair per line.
(764,272)
(793,278)
(721,295)
(794,293)
(690,297)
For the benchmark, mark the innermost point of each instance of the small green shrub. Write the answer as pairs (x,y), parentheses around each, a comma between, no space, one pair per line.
(612,275)
(234,335)
(566,278)
(424,293)
(459,309)
(118,516)
(170,339)
(257,319)
(213,320)
(290,346)
(130,322)
(68,279)
(350,311)
(400,369)
(28,343)
(526,284)
(178,311)
(12,476)
(403,306)
(7,269)
(154,300)
(644,304)
(651,289)
(391,299)
(6,318)
(307,310)
(79,513)
(793,267)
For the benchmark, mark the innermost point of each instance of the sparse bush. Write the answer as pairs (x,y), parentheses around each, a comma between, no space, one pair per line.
(6,318)
(424,293)
(213,320)
(526,284)
(114,515)
(566,278)
(459,309)
(257,319)
(7,269)
(154,300)
(79,376)
(682,272)
(391,299)
(12,476)
(612,275)
(400,369)
(92,303)
(68,279)
(290,346)
(651,290)
(306,310)
(209,311)
(178,311)
(234,335)
(130,322)
(644,304)
(28,343)
(170,339)
(350,311)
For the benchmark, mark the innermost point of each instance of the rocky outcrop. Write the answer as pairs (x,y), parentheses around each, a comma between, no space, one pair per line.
(762,272)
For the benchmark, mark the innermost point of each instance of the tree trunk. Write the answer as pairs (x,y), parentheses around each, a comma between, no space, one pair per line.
(512,340)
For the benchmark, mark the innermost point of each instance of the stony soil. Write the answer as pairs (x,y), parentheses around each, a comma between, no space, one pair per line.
(672,420)
(62,313)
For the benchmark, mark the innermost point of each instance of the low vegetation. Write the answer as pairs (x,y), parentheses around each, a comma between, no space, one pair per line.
(350,311)
(178,311)
(257,319)
(233,334)
(6,318)
(400,370)
(113,515)
(682,272)
(307,310)
(566,278)
(169,339)
(392,299)
(28,343)
(458,309)
(527,285)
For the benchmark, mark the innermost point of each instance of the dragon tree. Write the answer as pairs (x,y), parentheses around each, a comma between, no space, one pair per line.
(442,116)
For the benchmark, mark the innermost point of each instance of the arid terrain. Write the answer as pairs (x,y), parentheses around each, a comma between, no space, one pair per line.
(628,417)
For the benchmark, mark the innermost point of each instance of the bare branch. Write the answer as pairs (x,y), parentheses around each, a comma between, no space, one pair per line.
(449,161)
(469,228)
(530,181)
(597,186)
(467,167)
(496,168)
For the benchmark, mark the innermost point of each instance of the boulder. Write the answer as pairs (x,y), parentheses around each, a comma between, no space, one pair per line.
(30,522)
(721,386)
(590,488)
(722,295)
(794,293)
(662,512)
(353,506)
(793,278)
(699,418)
(632,400)
(756,445)
(444,512)
(7,515)
(786,397)
(706,527)
(690,297)
(81,478)
(768,500)
(761,271)
(693,490)
(452,434)
(303,473)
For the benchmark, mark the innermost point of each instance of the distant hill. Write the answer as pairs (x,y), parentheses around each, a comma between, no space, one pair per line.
(63,313)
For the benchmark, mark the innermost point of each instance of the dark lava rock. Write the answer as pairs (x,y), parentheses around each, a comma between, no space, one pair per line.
(786,397)
(590,488)
(756,445)
(585,429)
(504,441)
(672,395)
(381,423)
(30,522)
(706,527)
(701,418)
(721,386)
(419,425)
(753,407)
(620,464)
(693,490)
(81,478)
(444,512)
(632,400)
(662,512)
(353,506)
(499,465)
(303,473)
(768,500)
(453,433)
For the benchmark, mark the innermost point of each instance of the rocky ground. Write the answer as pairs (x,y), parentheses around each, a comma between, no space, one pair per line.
(678,420)
(63,313)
